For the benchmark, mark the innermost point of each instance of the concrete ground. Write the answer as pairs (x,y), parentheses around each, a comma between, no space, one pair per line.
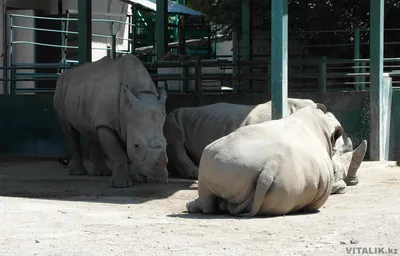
(44,211)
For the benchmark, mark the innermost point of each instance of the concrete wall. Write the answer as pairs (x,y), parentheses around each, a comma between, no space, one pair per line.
(29,128)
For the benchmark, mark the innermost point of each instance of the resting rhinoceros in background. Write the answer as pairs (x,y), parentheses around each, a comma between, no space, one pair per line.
(115,105)
(189,130)
(271,168)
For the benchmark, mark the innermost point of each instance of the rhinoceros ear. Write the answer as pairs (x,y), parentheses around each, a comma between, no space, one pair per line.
(337,133)
(162,95)
(131,98)
(322,107)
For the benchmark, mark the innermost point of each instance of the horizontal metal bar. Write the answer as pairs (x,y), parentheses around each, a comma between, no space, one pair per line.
(68,19)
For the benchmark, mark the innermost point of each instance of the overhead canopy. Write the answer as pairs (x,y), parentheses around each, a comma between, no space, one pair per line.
(173,7)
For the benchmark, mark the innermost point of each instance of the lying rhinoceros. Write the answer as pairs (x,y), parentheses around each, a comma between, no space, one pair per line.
(271,168)
(189,130)
(115,105)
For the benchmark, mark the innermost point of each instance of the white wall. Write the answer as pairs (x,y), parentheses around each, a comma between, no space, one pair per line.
(103,28)
(23,53)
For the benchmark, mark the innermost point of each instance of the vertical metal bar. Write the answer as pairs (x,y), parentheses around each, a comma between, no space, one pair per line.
(376,78)
(362,79)
(357,56)
(198,77)
(11,72)
(85,31)
(322,75)
(245,42)
(161,28)
(279,58)
(114,46)
(234,60)
(176,24)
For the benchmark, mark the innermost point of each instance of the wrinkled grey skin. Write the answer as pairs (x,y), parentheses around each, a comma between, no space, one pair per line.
(115,105)
(271,168)
(346,161)
(189,130)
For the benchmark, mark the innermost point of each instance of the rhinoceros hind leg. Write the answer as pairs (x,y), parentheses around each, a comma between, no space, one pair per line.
(110,143)
(76,166)
(97,156)
(205,203)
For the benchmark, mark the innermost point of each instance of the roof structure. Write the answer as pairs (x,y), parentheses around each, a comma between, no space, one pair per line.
(173,7)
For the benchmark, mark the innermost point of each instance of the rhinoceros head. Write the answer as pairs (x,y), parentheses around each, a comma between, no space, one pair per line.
(297,104)
(145,141)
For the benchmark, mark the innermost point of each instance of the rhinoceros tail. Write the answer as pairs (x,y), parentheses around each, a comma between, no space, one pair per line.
(264,183)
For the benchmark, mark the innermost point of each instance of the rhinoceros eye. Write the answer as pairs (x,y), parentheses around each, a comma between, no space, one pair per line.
(136,146)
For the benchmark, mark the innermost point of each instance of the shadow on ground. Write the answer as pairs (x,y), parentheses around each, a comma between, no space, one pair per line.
(187,215)
(47,179)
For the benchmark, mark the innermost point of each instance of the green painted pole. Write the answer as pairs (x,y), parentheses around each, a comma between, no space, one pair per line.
(322,75)
(161,46)
(245,42)
(176,22)
(234,60)
(279,58)
(376,79)
(357,55)
(85,31)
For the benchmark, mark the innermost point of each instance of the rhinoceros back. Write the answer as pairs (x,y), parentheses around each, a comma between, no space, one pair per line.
(90,95)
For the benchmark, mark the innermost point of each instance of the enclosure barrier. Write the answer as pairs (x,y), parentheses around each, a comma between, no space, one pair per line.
(320,75)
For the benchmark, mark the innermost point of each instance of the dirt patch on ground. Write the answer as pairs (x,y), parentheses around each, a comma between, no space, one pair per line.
(44,211)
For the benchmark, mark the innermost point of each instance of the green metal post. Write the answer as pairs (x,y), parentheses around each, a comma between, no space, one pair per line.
(149,35)
(357,56)
(176,22)
(234,60)
(322,75)
(114,46)
(161,46)
(279,58)
(245,42)
(376,79)
(363,80)
(85,31)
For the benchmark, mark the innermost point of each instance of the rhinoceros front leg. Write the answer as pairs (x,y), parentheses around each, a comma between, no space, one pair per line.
(177,155)
(97,156)
(111,145)
(76,166)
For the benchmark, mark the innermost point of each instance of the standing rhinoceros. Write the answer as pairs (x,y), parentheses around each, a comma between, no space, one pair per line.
(115,105)
(189,130)
(271,168)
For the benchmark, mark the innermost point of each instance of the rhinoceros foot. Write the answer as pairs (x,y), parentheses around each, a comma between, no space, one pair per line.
(121,178)
(76,169)
(192,173)
(102,171)
(351,181)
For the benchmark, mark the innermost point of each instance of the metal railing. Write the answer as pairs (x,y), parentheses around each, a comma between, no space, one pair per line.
(323,75)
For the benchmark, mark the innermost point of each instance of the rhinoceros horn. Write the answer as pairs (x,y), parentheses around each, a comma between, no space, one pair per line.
(356,160)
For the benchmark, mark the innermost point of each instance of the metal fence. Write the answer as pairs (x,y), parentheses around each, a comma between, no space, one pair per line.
(320,74)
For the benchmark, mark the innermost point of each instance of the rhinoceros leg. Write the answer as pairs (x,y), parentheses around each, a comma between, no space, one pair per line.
(111,145)
(76,166)
(339,187)
(97,156)
(178,156)
(205,203)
